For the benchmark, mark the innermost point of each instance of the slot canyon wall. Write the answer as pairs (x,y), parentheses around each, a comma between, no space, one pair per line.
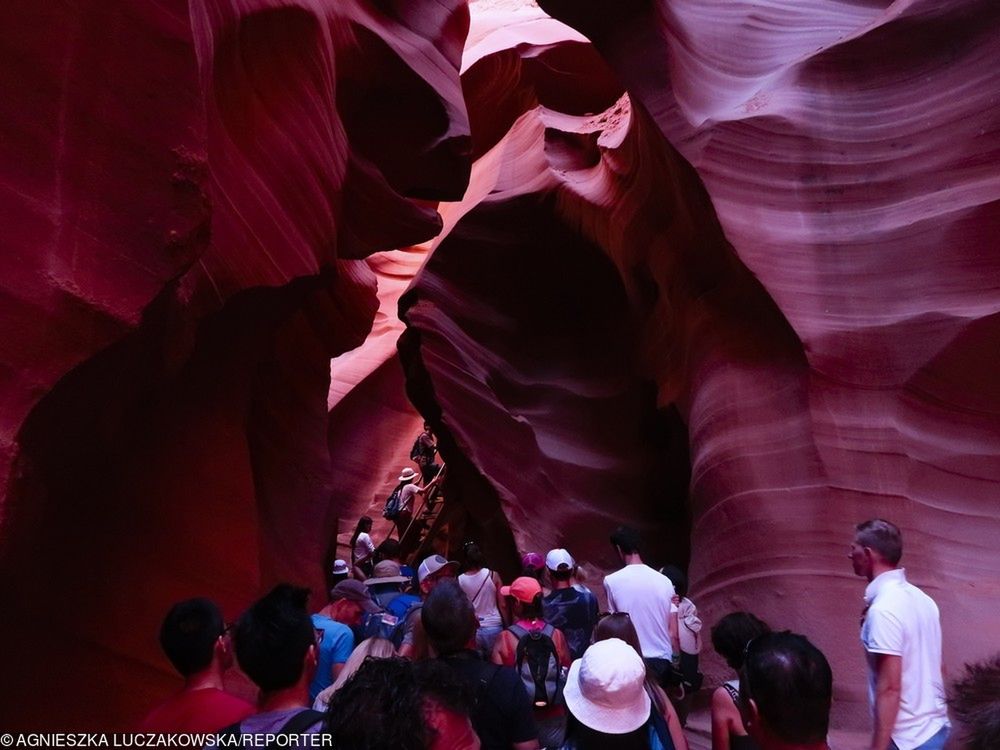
(725,271)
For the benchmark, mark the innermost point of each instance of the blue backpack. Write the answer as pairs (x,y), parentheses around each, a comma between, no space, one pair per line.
(391,623)
(394,503)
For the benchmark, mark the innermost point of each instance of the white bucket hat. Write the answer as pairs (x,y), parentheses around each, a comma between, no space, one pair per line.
(606,689)
(407,474)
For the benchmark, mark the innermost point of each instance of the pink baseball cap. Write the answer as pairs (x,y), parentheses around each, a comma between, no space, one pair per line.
(533,560)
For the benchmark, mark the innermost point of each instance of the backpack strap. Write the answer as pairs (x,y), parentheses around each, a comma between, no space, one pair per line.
(517,631)
(489,575)
(661,730)
(521,634)
(299,723)
(233,730)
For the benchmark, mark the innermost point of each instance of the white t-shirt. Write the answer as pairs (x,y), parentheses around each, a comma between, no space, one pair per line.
(364,546)
(902,620)
(406,496)
(645,595)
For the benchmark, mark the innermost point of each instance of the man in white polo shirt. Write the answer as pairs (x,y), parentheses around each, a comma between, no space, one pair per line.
(646,596)
(901,633)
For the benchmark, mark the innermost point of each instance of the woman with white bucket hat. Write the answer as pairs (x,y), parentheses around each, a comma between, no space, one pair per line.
(608,704)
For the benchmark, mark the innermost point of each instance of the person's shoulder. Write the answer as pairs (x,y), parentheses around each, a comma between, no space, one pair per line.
(333,630)
(221,698)
(557,596)
(273,721)
(336,626)
(616,575)
(919,594)
(585,594)
(722,699)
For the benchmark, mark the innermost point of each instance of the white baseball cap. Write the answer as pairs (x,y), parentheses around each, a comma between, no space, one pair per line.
(606,689)
(432,565)
(558,558)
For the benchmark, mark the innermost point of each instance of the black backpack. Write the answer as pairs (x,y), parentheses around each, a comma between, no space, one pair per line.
(394,503)
(537,661)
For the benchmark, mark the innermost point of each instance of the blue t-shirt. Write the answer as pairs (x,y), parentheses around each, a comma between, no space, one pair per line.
(336,646)
(574,612)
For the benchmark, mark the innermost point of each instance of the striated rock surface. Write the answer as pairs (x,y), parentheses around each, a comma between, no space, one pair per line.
(721,270)
(185,254)
(830,364)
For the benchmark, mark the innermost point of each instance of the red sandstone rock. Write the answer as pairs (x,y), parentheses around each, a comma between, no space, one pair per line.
(813,399)
(772,255)
(190,191)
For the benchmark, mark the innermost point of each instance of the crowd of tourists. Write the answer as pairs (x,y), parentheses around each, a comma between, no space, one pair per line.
(448,656)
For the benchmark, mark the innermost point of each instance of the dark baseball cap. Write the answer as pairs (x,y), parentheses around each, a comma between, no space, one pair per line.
(355,591)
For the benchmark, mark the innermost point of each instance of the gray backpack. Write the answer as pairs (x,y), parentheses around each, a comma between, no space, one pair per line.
(537,661)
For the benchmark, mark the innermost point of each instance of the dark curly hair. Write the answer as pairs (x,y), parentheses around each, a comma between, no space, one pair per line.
(974,699)
(733,632)
(384,704)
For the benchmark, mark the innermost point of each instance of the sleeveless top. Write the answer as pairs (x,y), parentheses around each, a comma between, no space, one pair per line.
(482,592)
(738,741)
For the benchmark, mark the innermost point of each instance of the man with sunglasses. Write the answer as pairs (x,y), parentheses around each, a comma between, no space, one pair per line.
(197,643)
(901,633)
(277,648)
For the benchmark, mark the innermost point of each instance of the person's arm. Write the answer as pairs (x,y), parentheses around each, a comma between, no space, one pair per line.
(411,645)
(498,649)
(673,627)
(562,648)
(888,688)
(721,703)
(342,648)
(369,545)
(501,600)
(611,597)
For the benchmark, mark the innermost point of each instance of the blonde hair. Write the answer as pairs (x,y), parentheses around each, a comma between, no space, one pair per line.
(377,648)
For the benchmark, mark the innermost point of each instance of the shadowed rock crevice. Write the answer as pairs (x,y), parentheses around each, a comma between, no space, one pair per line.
(522,339)
(152,469)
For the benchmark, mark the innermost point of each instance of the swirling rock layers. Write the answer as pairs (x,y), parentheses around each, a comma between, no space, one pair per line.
(850,152)
(194,189)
